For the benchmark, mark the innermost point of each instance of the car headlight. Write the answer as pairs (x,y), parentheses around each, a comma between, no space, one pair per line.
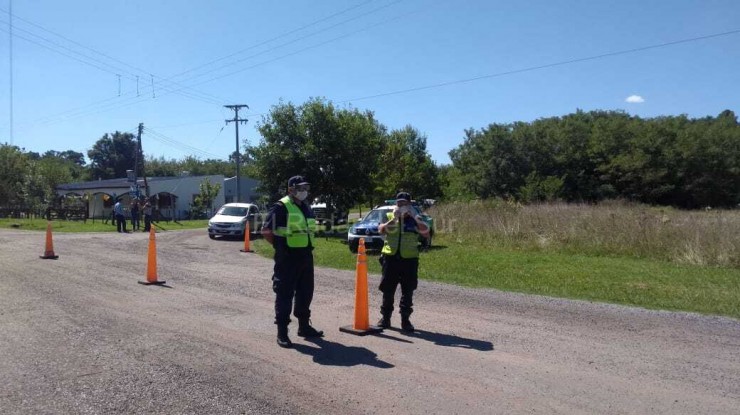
(210,223)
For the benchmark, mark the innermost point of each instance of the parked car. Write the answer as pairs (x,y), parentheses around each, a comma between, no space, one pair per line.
(231,219)
(367,228)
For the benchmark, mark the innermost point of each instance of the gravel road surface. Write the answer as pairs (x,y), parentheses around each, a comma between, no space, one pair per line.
(79,335)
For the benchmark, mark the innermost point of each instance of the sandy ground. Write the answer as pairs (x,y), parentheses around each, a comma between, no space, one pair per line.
(79,335)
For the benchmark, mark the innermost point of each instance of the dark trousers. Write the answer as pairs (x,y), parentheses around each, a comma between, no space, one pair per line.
(403,271)
(135,221)
(293,279)
(147,223)
(120,223)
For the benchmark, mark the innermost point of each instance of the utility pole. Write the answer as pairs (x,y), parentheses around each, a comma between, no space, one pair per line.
(236,121)
(140,153)
(10,39)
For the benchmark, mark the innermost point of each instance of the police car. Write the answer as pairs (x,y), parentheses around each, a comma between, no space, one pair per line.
(367,227)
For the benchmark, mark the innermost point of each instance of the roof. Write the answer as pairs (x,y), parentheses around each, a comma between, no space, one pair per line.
(121,183)
(246,205)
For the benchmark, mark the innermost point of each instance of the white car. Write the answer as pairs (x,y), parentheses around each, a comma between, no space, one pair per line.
(231,219)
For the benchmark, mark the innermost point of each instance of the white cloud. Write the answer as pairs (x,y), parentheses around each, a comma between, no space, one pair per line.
(635,99)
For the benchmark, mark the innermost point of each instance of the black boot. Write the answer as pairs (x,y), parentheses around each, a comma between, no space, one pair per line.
(385,321)
(406,324)
(305,329)
(282,337)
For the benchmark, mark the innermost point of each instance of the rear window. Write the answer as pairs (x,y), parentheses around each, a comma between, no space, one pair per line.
(233,211)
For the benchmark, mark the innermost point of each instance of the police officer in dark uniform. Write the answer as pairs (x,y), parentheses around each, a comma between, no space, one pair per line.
(400,260)
(289,227)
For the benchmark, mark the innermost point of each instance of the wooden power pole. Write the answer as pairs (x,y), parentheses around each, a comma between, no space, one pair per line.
(236,121)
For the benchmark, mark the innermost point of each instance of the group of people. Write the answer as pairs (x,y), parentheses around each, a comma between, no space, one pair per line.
(136,209)
(289,229)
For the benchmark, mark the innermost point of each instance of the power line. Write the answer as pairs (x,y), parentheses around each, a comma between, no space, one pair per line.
(76,113)
(315,22)
(545,66)
(50,119)
(111,71)
(216,99)
(343,36)
(186,148)
(289,43)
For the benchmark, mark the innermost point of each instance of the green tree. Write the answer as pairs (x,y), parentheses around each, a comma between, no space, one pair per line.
(112,155)
(204,201)
(406,165)
(161,167)
(14,167)
(51,172)
(336,149)
(453,184)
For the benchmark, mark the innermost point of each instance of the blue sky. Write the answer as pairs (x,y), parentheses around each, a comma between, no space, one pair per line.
(204,54)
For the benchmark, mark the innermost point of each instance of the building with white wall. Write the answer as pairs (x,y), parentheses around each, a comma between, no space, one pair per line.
(171,197)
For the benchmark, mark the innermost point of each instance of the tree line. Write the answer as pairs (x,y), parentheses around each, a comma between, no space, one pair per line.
(597,155)
(350,157)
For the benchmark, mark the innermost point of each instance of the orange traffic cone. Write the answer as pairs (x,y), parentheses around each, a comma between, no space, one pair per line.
(246,238)
(361,325)
(151,266)
(49,250)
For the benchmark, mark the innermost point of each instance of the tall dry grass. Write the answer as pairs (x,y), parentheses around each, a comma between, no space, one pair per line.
(708,238)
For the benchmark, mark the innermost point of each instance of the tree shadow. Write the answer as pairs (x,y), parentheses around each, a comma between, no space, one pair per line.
(450,340)
(335,354)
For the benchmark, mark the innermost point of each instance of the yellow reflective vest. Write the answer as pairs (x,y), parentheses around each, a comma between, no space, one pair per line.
(299,230)
(396,239)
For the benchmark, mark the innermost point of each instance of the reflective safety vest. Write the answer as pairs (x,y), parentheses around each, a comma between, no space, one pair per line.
(395,237)
(299,230)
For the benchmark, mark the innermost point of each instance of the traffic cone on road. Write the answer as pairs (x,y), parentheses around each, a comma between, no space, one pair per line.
(361,325)
(246,238)
(49,249)
(151,266)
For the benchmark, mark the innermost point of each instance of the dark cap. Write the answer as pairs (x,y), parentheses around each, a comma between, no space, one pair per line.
(403,196)
(297,181)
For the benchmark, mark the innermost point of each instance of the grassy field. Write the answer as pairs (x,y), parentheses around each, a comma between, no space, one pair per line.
(632,255)
(638,282)
(98,226)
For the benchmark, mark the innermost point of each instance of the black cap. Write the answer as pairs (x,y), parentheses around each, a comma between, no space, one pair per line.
(297,181)
(403,196)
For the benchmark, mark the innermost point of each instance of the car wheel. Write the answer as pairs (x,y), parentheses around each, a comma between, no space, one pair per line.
(212,236)
(353,248)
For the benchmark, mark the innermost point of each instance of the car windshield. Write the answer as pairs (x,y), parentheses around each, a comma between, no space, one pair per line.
(233,211)
(377,215)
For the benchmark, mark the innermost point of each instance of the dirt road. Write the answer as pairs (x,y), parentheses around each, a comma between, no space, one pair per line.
(79,335)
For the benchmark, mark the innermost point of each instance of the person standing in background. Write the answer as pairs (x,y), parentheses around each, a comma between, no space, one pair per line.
(135,215)
(147,210)
(120,217)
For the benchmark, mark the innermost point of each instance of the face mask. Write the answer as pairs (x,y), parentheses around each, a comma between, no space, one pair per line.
(302,195)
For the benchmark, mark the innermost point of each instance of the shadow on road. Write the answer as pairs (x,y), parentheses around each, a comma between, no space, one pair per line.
(450,340)
(335,354)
